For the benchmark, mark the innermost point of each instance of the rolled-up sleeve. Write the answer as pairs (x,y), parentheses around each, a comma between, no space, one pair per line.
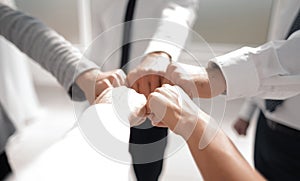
(45,46)
(269,71)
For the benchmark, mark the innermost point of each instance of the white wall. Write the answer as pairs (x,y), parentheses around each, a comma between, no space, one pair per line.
(234,21)
(219,21)
(62,15)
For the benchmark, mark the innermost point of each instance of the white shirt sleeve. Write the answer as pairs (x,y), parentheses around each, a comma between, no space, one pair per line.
(269,71)
(247,110)
(177,18)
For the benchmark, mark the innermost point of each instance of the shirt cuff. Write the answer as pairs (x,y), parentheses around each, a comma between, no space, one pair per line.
(239,72)
(169,37)
(161,46)
(73,89)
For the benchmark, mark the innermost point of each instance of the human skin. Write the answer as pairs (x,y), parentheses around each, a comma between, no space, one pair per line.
(220,159)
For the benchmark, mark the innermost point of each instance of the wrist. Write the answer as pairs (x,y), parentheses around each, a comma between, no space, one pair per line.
(185,127)
(156,61)
(216,79)
(161,54)
(86,82)
(204,132)
(196,134)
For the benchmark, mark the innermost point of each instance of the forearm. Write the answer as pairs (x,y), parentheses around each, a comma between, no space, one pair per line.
(220,160)
(209,84)
(173,27)
(215,155)
(269,71)
(43,45)
(215,86)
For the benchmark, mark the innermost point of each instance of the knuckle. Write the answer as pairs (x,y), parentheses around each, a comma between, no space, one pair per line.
(159,89)
(153,96)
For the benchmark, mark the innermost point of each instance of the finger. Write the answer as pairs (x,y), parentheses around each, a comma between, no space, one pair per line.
(135,86)
(172,89)
(167,90)
(121,76)
(142,112)
(144,86)
(148,110)
(132,78)
(152,99)
(101,86)
(157,104)
(114,80)
(170,70)
(154,82)
(121,73)
(137,121)
(166,81)
(154,119)
(101,98)
(138,118)
(179,93)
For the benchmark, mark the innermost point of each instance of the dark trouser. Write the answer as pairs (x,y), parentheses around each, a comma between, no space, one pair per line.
(147,150)
(277,150)
(5,169)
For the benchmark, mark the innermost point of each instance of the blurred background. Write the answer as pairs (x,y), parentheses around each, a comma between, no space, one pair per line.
(225,25)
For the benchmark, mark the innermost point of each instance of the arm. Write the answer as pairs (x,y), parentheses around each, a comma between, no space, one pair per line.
(220,160)
(166,45)
(197,81)
(176,20)
(55,54)
(269,71)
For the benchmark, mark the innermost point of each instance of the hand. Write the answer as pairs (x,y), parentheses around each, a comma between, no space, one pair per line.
(127,103)
(197,81)
(241,126)
(149,74)
(172,107)
(94,82)
(186,76)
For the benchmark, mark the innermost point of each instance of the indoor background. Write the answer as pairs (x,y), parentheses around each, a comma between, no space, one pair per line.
(225,25)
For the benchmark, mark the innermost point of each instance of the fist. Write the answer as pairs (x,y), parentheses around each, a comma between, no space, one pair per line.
(126,103)
(150,74)
(241,126)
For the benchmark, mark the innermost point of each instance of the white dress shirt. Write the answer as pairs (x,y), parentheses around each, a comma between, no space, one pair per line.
(269,71)
(152,20)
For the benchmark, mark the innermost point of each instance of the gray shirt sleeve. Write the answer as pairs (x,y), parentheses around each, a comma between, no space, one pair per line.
(46,47)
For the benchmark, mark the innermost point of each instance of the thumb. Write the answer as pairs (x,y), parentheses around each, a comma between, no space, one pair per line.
(142,112)
(101,85)
(138,118)
(170,69)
